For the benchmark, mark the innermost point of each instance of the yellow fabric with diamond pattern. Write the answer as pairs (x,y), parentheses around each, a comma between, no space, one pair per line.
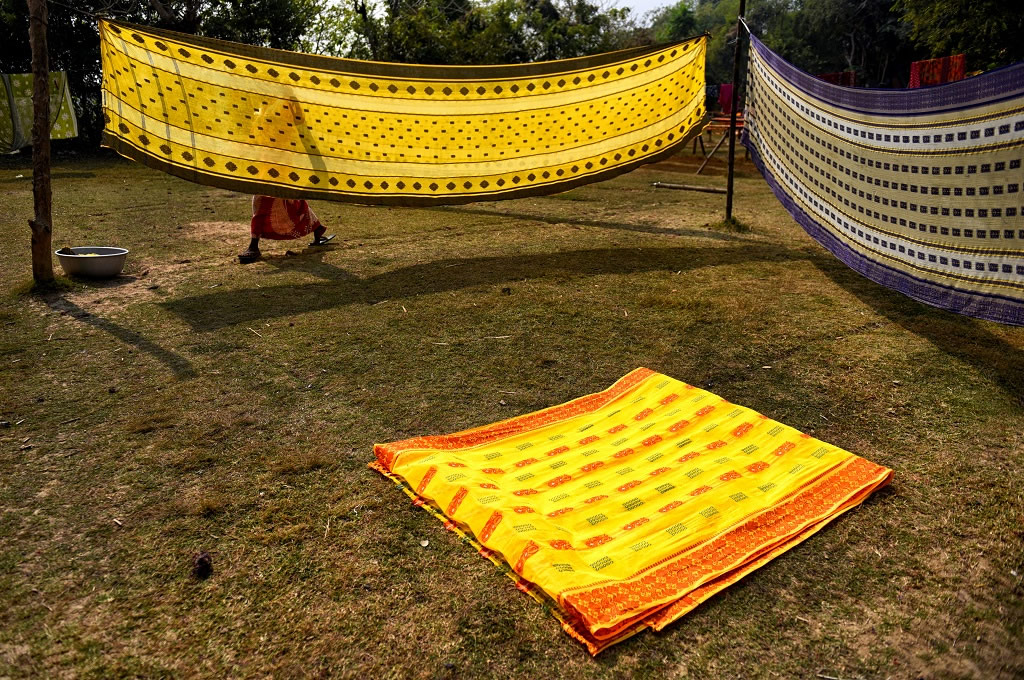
(304,126)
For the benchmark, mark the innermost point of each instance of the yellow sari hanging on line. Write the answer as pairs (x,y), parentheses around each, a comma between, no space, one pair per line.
(294,125)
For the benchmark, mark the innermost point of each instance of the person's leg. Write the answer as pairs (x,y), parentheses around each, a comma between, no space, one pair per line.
(318,229)
(252,253)
(318,236)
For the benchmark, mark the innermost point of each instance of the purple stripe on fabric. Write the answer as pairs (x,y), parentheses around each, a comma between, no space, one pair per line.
(993,86)
(979,305)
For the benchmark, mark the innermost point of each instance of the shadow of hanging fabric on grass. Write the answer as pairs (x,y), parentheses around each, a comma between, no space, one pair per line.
(308,261)
(955,335)
(600,224)
(180,366)
(216,310)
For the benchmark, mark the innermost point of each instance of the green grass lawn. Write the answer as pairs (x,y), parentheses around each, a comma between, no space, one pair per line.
(197,404)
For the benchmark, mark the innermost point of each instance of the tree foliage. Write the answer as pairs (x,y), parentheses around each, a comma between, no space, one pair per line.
(988,32)
(873,37)
(271,23)
(818,35)
(821,36)
(467,32)
(74,39)
(673,22)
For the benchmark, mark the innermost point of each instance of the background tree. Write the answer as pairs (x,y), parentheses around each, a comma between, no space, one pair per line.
(819,36)
(718,17)
(74,39)
(673,22)
(872,37)
(988,32)
(467,32)
(270,23)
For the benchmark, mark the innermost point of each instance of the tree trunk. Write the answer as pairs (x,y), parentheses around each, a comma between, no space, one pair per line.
(162,11)
(42,225)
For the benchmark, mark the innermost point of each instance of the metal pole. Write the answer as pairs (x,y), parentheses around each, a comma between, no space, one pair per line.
(42,224)
(735,105)
(708,158)
(688,187)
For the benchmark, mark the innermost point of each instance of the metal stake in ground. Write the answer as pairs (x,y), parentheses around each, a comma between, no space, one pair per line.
(42,224)
(735,104)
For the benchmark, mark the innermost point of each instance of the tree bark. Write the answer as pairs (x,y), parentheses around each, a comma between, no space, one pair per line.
(162,11)
(42,224)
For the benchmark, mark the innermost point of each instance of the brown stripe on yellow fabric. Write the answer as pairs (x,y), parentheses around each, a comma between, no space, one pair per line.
(287,137)
(411,200)
(394,70)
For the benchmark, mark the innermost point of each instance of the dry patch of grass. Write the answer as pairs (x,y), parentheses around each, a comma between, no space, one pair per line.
(198,405)
(145,423)
(300,462)
(202,503)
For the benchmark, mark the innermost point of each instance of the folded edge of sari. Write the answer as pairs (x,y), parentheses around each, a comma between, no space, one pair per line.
(603,613)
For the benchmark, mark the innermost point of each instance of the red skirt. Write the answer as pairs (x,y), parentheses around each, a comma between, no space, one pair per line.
(281,218)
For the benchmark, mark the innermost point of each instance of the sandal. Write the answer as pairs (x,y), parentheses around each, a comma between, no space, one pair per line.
(322,240)
(249,256)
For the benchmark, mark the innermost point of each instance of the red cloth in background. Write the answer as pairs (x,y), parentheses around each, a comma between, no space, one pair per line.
(281,218)
(844,78)
(725,98)
(937,71)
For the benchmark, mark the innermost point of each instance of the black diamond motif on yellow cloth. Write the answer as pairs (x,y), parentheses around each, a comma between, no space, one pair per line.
(261,121)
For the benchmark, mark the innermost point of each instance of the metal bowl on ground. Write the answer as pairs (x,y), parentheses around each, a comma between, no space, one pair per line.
(96,262)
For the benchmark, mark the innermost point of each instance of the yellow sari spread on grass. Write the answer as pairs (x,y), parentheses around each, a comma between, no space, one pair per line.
(294,125)
(625,509)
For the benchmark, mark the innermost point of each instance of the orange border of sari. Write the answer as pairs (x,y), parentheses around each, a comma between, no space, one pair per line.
(604,614)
